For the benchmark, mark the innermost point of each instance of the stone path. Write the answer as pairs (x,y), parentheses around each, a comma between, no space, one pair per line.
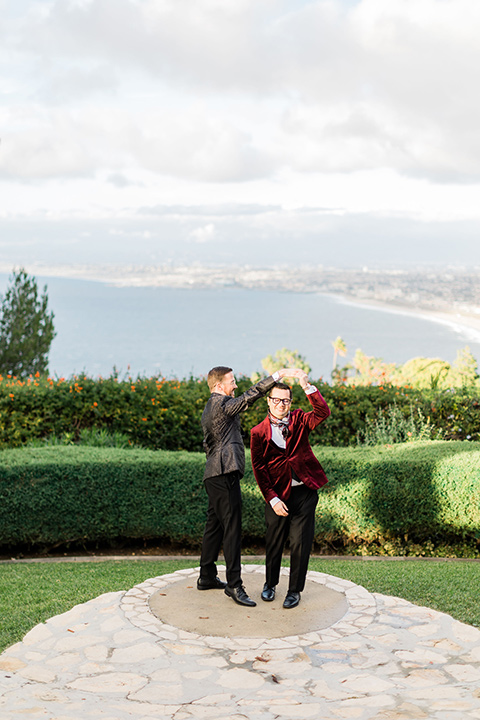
(113,659)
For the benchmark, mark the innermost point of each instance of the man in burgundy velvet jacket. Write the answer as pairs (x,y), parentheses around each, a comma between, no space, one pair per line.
(289,476)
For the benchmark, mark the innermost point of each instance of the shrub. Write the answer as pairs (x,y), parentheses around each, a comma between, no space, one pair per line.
(413,498)
(394,425)
(165,414)
(63,494)
(399,496)
(152,412)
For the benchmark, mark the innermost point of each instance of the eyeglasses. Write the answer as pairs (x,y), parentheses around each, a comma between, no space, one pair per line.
(283,401)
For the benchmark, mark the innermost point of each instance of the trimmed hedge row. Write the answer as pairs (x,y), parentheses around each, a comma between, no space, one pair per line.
(383,496)
(160,414)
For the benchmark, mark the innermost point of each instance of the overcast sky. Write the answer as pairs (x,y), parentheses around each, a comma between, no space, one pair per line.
(248,131)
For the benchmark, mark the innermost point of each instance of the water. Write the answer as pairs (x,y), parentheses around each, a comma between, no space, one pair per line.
(175,333)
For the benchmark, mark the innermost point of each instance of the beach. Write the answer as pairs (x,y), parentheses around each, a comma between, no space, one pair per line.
(454,319)
(146,329)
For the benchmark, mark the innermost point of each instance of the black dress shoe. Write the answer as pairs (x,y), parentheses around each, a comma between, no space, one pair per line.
(239,595)
(217,584)
(268,593)
(292,599)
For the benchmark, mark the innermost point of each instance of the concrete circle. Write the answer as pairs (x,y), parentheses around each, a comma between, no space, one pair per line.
(211,612)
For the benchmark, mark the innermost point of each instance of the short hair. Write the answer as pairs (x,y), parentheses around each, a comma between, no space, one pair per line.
(281,386)
(216,375)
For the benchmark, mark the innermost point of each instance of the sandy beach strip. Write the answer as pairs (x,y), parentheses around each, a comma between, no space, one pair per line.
(458,321)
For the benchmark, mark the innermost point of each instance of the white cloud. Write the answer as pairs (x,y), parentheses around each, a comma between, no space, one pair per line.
(203,234)
(370,107)
(341,87)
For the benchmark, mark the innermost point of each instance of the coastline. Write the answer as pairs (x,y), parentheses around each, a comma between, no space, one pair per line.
(460,322)
(465,323)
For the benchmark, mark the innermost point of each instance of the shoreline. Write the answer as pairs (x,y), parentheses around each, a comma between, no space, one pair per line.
(461,322)
(457,321)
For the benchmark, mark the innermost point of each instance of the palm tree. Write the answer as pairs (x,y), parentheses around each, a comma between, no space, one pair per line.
(339,348)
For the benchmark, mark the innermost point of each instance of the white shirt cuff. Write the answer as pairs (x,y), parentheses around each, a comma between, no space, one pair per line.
(276,376)
(274,501)
(310,389)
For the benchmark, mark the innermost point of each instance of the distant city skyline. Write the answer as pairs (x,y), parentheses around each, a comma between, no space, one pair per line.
(335,132)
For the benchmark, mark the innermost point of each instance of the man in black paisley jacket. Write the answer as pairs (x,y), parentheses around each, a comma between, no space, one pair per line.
(225,466)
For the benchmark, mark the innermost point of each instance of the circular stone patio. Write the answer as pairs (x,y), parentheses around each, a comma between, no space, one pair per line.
(173,601)
(113,658)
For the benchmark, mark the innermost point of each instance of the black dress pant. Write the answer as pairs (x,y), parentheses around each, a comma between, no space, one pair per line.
(223,526)
(299,528)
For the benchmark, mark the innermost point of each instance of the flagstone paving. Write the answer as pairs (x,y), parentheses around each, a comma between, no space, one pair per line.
(112,659)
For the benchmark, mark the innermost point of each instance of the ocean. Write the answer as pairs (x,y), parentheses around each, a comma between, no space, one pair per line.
(181,332)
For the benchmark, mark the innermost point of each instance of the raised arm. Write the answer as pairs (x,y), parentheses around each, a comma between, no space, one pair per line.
(233,406)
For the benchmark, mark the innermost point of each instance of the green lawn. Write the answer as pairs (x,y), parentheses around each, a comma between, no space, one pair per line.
(450,586)
(32,592)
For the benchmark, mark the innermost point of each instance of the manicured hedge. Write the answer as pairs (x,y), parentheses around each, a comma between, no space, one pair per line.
(394,497)
(69,494)
(385,498)
(160,414)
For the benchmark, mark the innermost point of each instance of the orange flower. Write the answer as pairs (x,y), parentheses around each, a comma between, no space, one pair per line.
(144,419)
(12,395)
(95,404)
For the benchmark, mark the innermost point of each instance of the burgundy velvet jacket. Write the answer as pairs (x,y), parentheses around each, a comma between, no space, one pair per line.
(273,466)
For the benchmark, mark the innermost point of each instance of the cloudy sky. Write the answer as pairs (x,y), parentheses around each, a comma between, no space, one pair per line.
(250,131)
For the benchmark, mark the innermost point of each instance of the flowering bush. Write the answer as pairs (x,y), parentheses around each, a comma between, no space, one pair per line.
(165,414)
(153,412)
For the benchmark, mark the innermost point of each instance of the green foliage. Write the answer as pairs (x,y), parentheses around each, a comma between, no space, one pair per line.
(464,372)
(393,425)
(165,414)
(283,358)
(63,494)
(403,499)
(419,372)
(26,328)
(88,436)
(371,370)
(423,372)
(339,348)
(150,412)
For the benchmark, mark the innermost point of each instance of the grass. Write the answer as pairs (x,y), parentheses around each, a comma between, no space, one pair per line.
(446,585)
(30,593)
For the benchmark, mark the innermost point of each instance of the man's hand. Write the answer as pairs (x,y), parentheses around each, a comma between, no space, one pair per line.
(301,375)
(291,372)
(304,381)
(280,509)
